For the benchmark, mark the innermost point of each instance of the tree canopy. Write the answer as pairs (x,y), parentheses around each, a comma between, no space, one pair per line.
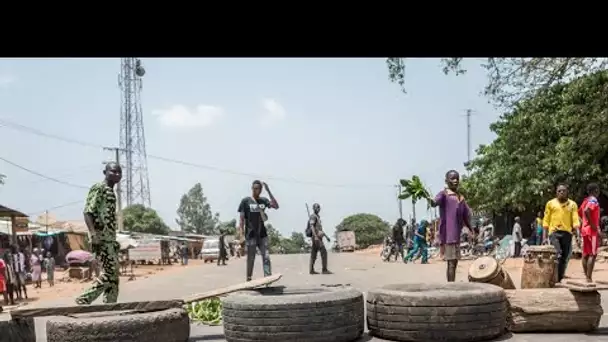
(369,229)
(511,80)
(137,218)
(194,213)
(555,136)
(228,227)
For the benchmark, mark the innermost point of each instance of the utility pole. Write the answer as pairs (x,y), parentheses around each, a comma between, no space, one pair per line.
(399,201)
(469,113)
(118,189)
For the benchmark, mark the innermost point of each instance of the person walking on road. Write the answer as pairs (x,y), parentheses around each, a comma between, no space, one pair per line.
(100,218)
(420,246)
(223,254)
(517,237)
(590,230)
(560,222)
(454,213)
(399,239)
(252,211)
(317,241)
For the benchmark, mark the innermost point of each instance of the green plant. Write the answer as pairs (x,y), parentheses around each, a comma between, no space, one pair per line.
(415,190)
(208,311)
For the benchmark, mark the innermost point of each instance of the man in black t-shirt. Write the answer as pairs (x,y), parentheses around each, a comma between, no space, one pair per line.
(252,212)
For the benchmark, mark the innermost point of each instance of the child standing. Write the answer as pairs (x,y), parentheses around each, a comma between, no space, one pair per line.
(454,213)
(49,264)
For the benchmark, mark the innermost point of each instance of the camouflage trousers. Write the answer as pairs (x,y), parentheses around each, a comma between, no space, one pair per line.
(107,282)
(253,244)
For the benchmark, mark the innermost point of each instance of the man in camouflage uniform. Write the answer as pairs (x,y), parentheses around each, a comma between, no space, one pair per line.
(100,217)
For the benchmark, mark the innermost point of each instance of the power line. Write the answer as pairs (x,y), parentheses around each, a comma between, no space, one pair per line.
(12,125)
(55,207)
(41,175)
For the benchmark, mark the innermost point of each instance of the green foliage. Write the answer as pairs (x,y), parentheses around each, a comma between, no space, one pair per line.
(194,213)
(137,218)
(511,80)
(369,229)
(415,190)
(208,311)
(228,227)
(556,136)
(292,245)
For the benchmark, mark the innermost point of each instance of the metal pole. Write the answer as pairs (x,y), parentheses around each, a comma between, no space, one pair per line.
(399,201)
(469,112)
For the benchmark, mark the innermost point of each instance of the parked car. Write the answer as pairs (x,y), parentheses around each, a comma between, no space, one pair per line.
(211,250)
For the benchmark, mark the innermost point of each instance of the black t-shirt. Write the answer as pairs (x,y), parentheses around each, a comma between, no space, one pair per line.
(254,225)
(398,233)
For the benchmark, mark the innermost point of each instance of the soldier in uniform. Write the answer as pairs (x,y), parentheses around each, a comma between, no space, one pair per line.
(317,240)
(100,218)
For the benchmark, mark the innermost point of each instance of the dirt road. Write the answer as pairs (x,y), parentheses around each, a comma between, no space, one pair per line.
(359,270)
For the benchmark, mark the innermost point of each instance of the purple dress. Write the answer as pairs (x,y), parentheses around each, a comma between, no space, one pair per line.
(453,215)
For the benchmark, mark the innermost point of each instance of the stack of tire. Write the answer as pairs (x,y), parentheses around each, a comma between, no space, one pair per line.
(437,312)
(294,314)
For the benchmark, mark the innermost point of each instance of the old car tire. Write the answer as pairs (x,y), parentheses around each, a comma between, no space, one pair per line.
(437,312)
(294,314)
(171,325)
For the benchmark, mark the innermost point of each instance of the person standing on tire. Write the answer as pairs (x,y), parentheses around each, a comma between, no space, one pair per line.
(252,212)
(454,213)
(590,231)
(561,219)
(100,218)
(317,241)
(517,237)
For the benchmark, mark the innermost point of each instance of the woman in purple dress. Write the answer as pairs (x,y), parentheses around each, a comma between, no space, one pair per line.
(454,214)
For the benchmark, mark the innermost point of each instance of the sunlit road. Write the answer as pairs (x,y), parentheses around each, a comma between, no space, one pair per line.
(360,271)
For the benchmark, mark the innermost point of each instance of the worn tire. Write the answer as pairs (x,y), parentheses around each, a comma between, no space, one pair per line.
(437,312)
(294,314)
(171,325)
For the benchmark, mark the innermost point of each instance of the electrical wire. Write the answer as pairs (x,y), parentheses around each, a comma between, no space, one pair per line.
(41,175)
(16,126)
(55,207)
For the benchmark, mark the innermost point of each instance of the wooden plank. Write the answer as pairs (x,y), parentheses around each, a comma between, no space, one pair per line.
(80,309)
(576,288)
(233,288)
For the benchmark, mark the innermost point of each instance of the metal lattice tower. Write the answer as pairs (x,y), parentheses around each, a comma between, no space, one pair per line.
(136,188)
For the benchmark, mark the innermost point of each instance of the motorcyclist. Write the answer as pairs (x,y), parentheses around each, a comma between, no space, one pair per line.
(487,235)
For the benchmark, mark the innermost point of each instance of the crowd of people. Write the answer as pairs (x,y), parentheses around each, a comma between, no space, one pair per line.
(19,266)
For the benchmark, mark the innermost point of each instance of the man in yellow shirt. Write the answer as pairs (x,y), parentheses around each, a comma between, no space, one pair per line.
(560,222)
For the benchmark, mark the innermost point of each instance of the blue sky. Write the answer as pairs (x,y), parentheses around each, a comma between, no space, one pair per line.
(328,121)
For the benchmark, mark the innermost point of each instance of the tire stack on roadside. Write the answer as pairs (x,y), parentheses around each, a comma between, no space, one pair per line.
(437,312)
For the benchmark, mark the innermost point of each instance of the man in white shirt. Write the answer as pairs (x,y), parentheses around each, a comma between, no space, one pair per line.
(517,237)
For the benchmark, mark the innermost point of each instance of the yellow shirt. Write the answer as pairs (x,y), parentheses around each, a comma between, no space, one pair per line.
(561,216)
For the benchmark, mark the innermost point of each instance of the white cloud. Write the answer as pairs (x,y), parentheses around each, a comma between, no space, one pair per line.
(6,80)
(274,112)
(182,116)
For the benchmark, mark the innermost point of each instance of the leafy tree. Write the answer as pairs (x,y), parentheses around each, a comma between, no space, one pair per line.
(194,213)
(299,241)
(513,79)
(137,218)
(415,190)
(274,237)
(555,136)
(369,229)
(229,227)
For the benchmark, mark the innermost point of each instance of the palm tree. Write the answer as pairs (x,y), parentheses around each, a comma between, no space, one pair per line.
(415,190)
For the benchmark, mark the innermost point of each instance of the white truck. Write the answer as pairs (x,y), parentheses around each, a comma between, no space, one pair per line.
(346,241)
